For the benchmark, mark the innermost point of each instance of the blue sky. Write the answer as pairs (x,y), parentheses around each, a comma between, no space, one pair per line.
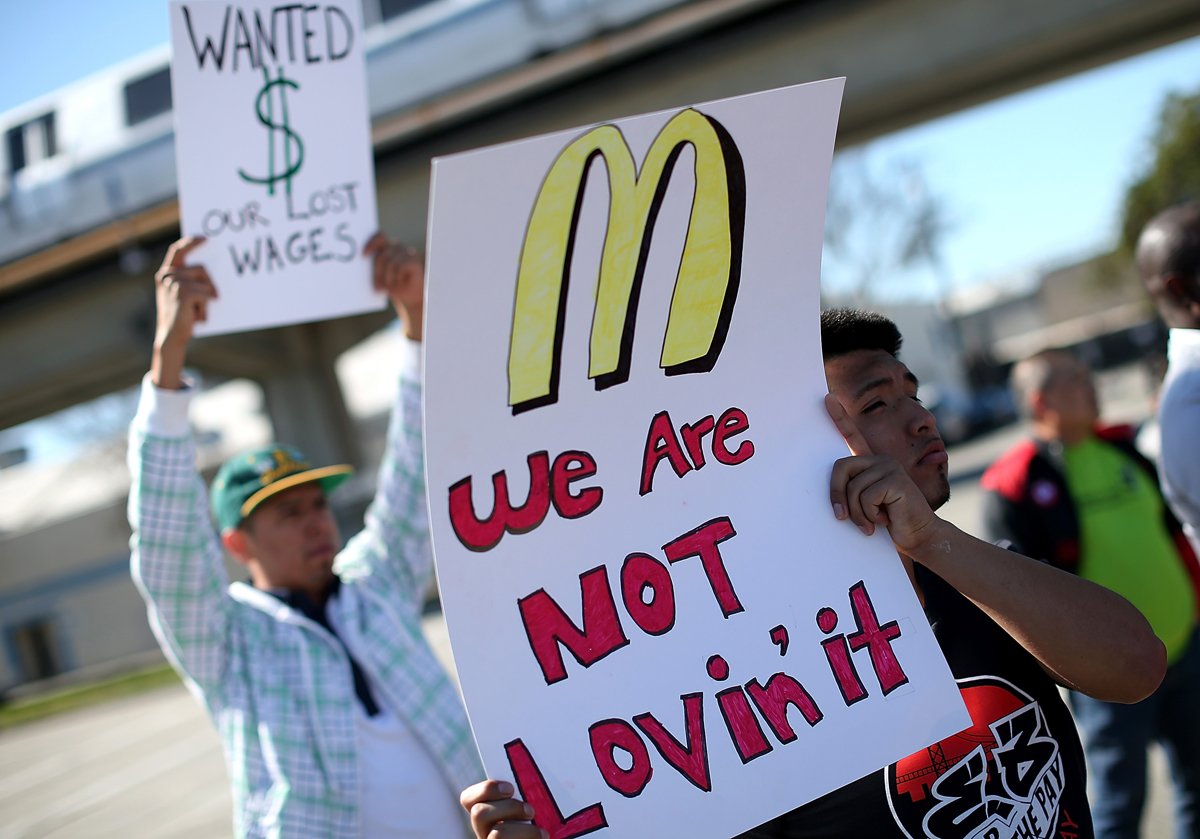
(45,44)
(1037,179)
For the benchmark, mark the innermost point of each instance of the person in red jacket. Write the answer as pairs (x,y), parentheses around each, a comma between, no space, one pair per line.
(1080,496)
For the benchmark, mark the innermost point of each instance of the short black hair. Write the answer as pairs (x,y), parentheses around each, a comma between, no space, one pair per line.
(844,331)
(1176,250)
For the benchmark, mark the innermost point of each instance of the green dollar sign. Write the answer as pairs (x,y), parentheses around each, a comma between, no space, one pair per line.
(264,108)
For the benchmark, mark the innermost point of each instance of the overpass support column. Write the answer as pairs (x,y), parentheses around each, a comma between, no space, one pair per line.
(304,398)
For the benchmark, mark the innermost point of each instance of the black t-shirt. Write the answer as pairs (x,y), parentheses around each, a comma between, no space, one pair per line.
(1017,772)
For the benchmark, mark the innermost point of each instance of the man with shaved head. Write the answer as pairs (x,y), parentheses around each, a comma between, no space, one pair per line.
(1168,259)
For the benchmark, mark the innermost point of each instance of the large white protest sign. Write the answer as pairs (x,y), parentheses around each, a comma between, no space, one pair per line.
(274,158)
(660,627)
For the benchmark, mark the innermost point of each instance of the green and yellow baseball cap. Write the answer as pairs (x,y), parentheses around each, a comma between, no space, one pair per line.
(249,479)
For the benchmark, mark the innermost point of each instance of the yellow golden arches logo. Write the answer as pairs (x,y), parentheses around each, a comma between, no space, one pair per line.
(709,267)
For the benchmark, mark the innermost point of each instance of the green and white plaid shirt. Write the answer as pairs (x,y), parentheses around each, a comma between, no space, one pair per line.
(277,685)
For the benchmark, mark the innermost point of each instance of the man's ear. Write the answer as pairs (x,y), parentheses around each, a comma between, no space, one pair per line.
(234,540)
(1037,404)
(1189,294)
(1178,290)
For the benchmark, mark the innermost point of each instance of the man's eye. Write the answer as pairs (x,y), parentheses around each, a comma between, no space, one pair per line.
(872,407)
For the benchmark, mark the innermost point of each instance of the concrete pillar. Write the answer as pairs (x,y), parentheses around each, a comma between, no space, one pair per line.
(304,399)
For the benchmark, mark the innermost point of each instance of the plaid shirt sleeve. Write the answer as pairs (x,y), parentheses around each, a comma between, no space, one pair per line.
(394,547)
(176,558)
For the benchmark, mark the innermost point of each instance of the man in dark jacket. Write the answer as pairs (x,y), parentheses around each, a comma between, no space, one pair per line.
(1081,497)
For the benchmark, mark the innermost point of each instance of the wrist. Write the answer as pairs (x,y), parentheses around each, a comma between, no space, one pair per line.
(411,321)
(932,544)
(166,368)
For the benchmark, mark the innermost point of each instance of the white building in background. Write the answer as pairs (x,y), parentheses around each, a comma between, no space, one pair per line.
(66,599)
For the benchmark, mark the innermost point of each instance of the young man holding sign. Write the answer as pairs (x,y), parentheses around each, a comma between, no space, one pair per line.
(1012,630)
(336,718)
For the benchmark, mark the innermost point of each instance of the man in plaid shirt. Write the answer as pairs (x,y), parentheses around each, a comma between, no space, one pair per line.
(336,718)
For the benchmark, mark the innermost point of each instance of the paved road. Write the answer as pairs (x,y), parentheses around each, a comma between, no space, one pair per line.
(150,766)
(147,766)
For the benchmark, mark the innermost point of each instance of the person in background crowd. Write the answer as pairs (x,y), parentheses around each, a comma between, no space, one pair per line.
(1168,259)
(1081,496)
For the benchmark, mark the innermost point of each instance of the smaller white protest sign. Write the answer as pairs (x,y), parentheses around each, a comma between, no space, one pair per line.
(274,158)
(660,627)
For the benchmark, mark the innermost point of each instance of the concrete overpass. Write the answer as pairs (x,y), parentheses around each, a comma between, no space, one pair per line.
(75,324)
